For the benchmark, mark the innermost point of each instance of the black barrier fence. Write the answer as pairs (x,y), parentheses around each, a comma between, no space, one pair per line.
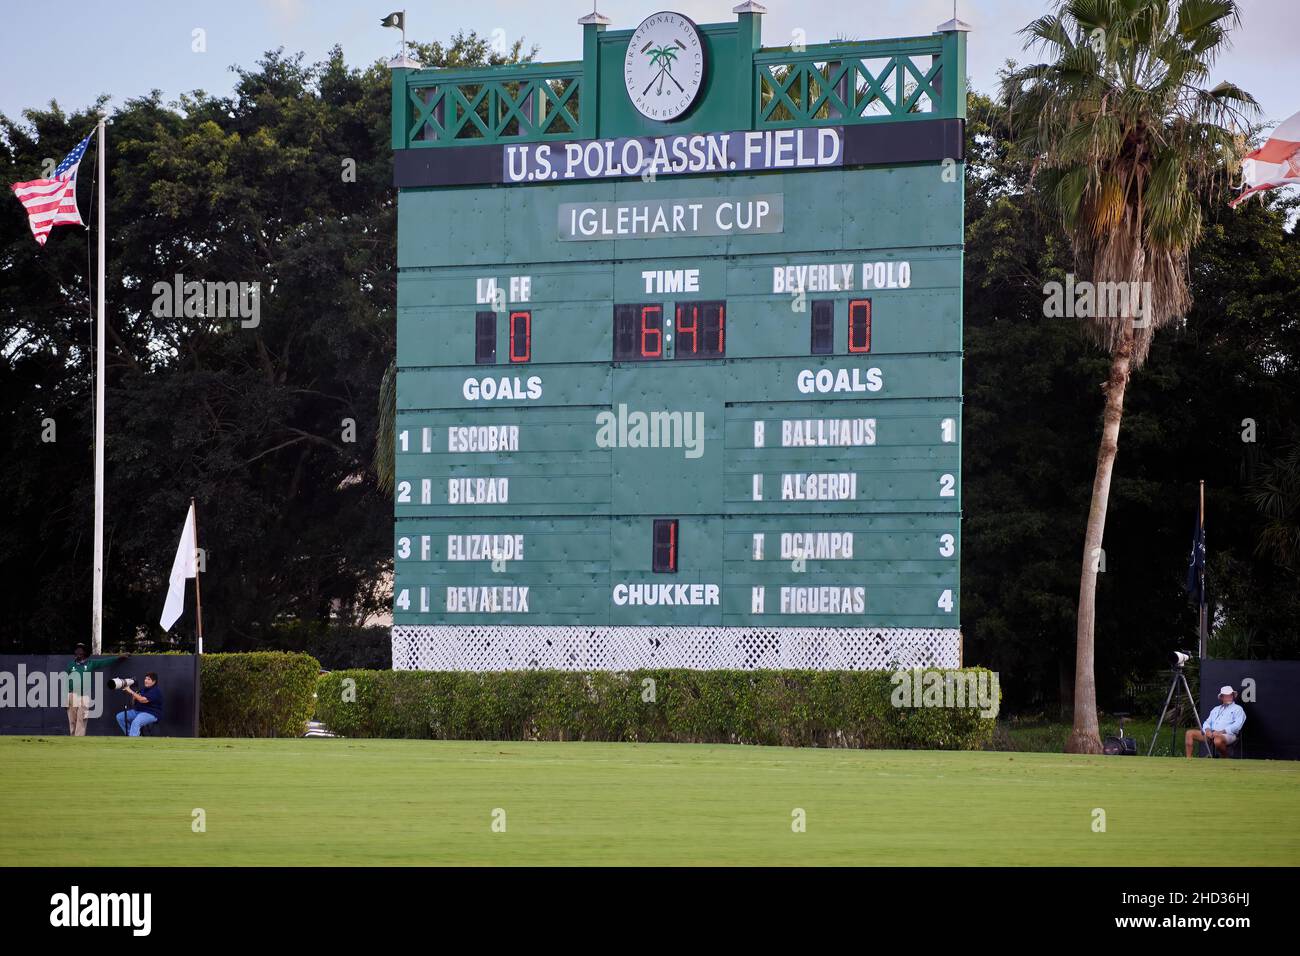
(1269,692)
(31,701)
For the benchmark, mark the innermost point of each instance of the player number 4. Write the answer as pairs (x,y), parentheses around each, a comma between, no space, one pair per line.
(945,601)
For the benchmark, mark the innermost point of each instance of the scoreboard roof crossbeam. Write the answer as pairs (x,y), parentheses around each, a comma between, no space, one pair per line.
(900,79)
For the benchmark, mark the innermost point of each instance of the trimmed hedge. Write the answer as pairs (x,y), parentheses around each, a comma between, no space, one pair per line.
(260,694)
(790,708)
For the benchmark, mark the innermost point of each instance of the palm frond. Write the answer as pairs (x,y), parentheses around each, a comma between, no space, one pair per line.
(1125,140)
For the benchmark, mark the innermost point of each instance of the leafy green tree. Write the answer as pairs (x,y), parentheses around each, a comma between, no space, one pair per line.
(284,183)
(1277,493)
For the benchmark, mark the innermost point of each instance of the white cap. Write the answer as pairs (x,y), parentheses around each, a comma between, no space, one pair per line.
(1227,689)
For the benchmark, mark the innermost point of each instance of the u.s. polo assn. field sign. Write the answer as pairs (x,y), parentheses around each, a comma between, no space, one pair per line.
(679,354)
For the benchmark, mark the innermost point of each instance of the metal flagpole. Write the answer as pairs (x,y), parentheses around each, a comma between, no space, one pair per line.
(97,614)
(198,599)
(1202,612)
(198,619)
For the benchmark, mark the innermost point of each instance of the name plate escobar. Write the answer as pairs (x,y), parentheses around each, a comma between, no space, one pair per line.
(669,218)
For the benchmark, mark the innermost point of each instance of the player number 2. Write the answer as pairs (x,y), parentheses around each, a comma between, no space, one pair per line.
(947,486)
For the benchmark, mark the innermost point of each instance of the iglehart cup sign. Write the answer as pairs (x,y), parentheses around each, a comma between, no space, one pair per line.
(664,66)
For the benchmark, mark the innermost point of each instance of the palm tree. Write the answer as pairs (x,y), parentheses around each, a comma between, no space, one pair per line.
(1126,143)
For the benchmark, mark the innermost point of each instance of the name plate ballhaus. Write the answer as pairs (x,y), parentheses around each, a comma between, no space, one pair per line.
(670,218)
(649,156)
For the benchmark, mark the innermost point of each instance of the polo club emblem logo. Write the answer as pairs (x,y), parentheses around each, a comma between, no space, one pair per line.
(664,67)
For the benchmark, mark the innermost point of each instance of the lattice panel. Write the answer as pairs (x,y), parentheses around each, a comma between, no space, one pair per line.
(488,648)
(491,108)
(819,89)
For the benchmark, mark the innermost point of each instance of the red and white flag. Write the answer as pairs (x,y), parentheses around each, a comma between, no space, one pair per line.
(1274,164)
(53,202)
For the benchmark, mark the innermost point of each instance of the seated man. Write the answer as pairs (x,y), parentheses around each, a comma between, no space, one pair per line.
(1222,726)
(148,710)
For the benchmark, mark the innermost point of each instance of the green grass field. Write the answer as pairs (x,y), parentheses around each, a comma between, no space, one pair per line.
(301,802)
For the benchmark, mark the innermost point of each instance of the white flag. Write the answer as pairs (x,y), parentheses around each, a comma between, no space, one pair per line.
(185,566)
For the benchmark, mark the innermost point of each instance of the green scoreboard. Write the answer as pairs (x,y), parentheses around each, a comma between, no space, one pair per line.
(679,354)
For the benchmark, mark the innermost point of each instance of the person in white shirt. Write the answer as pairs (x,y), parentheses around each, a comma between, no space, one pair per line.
(1222,726)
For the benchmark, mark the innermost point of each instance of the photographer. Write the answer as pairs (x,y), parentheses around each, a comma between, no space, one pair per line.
(148,709)
(1222,726)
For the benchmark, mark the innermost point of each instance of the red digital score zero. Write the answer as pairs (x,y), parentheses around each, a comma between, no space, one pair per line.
(521,336)
(860,325)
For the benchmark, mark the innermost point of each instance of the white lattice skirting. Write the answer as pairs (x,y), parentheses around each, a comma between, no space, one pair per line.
(446,647)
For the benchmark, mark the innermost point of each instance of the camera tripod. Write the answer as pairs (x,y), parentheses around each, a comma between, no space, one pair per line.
(1179,677)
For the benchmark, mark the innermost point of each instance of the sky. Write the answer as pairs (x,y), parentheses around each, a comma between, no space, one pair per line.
(126,48)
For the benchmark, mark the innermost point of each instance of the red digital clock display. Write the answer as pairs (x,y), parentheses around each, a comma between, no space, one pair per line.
(638,332)
(701,330)
(640,336)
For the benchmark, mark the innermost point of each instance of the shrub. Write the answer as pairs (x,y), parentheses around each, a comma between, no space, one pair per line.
(789,708)
(261,694)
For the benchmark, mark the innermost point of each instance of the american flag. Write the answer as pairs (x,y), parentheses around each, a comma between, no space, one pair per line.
(53,202)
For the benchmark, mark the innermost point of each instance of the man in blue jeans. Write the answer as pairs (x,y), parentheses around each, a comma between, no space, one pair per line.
(148,709)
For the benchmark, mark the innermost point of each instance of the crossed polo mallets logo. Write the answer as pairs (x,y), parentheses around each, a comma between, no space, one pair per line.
(662,57)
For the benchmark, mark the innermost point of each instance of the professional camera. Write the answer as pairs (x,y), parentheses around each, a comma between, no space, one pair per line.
(123,683)
(1178,658)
